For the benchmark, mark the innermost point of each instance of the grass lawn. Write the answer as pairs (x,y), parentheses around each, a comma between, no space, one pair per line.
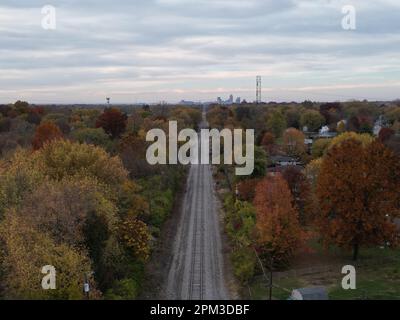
(378,275)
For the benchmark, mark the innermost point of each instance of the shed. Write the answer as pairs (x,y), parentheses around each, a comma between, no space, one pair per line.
(312,293)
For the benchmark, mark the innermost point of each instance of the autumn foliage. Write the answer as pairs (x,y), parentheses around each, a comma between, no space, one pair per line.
(385,134)
(358,191)
(268,141)
(300,188)
(135,235)
(278,230)
(46,132)
(113,122)
(246,189)
(293,141)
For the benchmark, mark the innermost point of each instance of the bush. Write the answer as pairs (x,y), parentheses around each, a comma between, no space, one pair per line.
(93,136)
(125,289)
(244,263)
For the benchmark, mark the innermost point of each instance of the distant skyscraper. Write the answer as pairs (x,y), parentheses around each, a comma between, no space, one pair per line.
(238,100)
(219,100)
(258,89)
(230,101)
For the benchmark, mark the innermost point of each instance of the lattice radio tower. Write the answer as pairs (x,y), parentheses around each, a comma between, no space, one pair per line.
(258,89)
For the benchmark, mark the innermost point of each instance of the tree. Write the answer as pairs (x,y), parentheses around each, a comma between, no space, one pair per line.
(364,138)
(268,141)
(293,141)
(63,158)
(393,114)
(341,126)
(45,133)
(26,251)
(312,171)
(293,118)
(132,150)
(385,134)
(354,124)
(278,231)
(366,125)
(276,123)
(21,106)
(358,190)
(319,147)
(312,120)
(393,143)
(307,104)
(299,187)
(246,189)
(35,115)
(395,127)
(95,136)
(64,210)
(332,112)
(113,121)
(135,235)
(260,163)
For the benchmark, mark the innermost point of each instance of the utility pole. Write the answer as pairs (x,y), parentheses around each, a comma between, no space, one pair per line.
(86,286)
(271,264)
(270,283)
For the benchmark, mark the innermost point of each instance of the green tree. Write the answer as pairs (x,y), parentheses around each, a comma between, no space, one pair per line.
(276,123)
(92,136)
(312,119)
(319,147)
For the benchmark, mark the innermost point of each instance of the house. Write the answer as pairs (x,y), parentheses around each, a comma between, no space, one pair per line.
(325,132)
(312,293)
(274,171)
(284,161)
(397,223)
(379,125)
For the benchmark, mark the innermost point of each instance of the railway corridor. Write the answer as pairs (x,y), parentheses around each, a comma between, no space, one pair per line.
(196,270)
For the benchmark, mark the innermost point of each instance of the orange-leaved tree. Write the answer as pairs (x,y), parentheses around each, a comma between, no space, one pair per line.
(293,141)
(46,132)
(358,190)
(278,231)
(268,141)
(300,188)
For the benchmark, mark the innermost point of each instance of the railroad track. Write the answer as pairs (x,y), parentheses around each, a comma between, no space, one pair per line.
(196,285)
(195,270)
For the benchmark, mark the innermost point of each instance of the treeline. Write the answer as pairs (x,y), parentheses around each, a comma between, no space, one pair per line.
(76,193)
(343,190)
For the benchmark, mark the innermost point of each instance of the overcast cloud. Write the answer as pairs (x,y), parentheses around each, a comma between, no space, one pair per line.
(155,50)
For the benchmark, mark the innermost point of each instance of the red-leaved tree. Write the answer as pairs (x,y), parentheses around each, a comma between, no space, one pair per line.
(113,122)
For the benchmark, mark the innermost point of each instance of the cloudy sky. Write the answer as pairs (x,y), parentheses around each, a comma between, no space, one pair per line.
(168,50)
